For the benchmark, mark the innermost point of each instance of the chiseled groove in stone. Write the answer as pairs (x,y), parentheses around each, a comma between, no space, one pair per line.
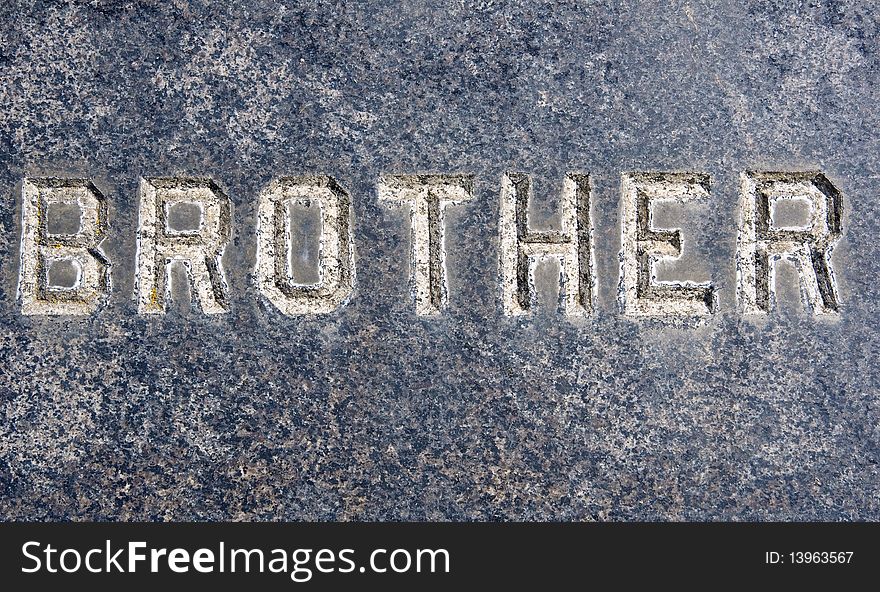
(643,245)
(427,196)
(761,244)
(523,248)
(39,248)
(336,264)
(159,247)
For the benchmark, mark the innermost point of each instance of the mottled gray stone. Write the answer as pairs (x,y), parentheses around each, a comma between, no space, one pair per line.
(372,412)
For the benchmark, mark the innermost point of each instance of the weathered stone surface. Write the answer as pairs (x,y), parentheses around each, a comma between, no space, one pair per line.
(373,412)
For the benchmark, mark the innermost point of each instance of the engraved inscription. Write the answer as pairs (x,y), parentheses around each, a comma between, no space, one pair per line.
(305,246)
(792,216)
(643,245)
(276,267)
(182,221)
(427,197)
(522,248)
(63,270)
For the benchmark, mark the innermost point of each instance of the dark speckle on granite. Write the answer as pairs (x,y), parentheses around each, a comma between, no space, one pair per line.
(372,412)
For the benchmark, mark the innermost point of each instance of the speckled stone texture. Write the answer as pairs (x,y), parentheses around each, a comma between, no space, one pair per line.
(374,413)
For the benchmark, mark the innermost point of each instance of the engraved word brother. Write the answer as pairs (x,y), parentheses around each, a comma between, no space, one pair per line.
(187,221)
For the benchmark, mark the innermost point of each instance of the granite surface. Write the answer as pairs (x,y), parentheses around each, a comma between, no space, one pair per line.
(372,412)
